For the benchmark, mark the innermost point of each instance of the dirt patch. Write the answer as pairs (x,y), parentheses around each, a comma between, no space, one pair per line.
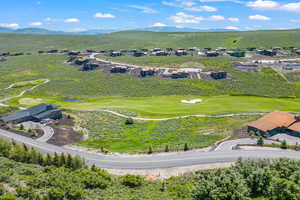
(165,173)
(64,133)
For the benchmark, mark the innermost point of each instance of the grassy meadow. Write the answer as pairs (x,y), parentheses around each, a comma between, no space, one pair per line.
(111,132)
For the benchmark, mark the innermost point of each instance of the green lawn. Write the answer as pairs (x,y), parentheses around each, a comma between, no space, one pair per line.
(169,106)
(111,132)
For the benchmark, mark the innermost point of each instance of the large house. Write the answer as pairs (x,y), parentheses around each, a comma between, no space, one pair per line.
(276,122)
(36,114)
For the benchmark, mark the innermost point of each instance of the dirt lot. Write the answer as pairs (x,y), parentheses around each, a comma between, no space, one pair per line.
(64,133)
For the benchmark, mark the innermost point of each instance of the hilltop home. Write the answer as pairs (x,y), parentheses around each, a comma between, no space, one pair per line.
(270,52)
(115,54)
(218,74)
(35,114)
(147,71)
(237,54)
(119,69)
(159,53)
(297,51)
(74,53)
(90,66)
(82,60)
(181,52)
(179,74)
(247,66)
(212,54)
(138,54)
(276,122)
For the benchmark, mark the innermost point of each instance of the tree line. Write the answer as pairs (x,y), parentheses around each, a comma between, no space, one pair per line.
(22,153)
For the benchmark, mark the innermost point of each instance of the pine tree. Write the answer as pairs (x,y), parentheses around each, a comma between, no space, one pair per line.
(41,159)
(56,160)
(94,168)
(48,161)
(260,141)
(33,154)
(284,144)
(167,148)
(77,163)
(69,161)
(186,148)
(62,159)
(150,150)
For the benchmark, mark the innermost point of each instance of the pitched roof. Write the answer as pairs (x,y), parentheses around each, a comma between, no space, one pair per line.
(295,127)
(273,120)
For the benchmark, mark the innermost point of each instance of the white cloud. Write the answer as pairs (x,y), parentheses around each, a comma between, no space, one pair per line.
(263,4)
(292,7)
(217,18)
(72,20)
(13,26)
(259,17)
(202,9)
(233,19)
(158,24)
(36,24)
(144,9)
(179,3)
(232,28)
(104,15)
(184,18)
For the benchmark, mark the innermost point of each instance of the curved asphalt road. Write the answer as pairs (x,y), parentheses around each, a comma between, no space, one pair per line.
(155,160)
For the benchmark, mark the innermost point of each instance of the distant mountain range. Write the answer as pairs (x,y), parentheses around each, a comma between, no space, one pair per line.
(41,31)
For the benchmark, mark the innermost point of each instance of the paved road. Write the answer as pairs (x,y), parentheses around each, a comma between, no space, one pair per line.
(289,139)
(228,145)
(48,133)
(153,161)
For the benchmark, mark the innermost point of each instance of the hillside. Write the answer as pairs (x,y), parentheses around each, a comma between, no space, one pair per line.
(144,39)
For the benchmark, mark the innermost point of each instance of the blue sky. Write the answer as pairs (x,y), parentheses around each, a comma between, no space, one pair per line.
(78,15)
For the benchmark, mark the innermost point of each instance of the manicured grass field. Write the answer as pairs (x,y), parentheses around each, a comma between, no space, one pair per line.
(170,106)
(111,132)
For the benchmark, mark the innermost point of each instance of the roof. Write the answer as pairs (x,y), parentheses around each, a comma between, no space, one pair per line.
(273,120)
(295,127)
(33,111)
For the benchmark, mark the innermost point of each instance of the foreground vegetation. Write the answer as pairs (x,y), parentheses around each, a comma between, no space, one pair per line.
(114,134)
(249,179)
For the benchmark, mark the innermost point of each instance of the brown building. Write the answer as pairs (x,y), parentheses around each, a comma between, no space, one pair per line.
(179,74)
(119,69)
(276,122)
(147,71)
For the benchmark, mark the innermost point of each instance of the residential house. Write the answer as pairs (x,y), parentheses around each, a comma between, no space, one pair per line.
(218,74)
(36,114)
(119,69)
(147,71)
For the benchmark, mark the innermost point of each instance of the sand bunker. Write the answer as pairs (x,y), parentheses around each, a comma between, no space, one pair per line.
(192,101)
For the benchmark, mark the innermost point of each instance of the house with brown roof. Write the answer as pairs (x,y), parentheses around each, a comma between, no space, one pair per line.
(276,122)
(119,69)
(147,71)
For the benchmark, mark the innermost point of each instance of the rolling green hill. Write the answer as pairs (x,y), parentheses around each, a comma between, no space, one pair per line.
(144,39)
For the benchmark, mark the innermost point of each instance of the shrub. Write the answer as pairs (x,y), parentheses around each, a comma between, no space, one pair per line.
(260,141)
(129,121)
(132,181)
(284,144)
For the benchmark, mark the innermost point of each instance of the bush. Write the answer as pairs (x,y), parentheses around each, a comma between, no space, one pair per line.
(132,181)
(284,144)
(260,141)
(129,121)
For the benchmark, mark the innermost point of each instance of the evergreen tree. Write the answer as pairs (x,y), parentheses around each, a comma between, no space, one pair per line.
(284,144)
(186,148)
(260,141)
(167,148)
(150,150)
(69,161)
(77,163)
(48,161)
(56,160)
(62,159)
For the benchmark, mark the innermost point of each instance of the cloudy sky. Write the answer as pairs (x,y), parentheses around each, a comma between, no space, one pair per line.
(70,15)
